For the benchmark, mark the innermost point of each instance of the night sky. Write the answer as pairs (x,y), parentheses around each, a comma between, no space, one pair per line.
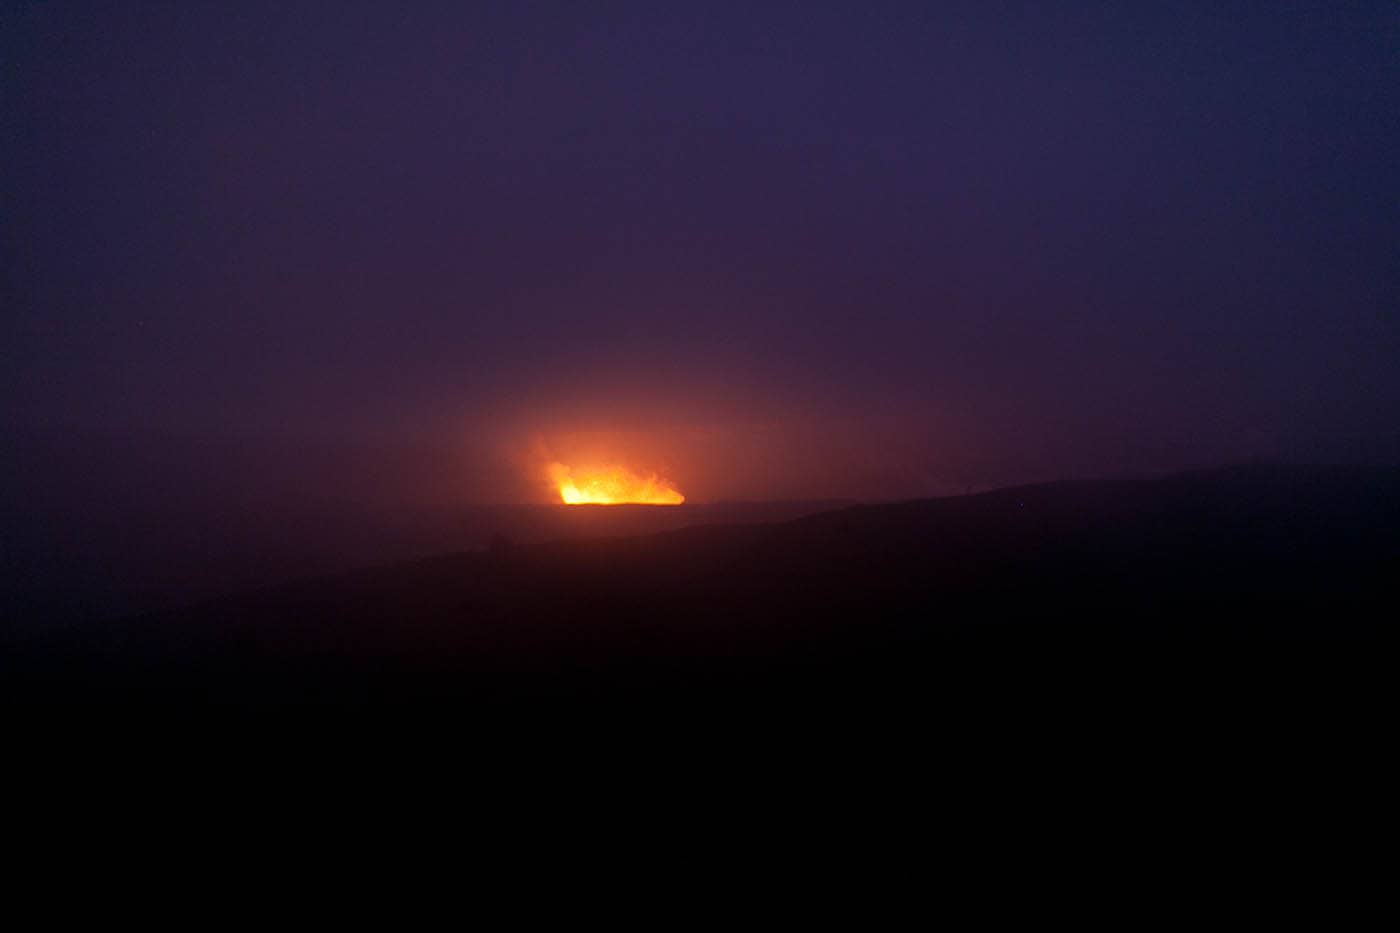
(866,250)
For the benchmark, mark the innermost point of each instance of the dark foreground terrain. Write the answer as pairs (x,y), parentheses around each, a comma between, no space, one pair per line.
(1264,588)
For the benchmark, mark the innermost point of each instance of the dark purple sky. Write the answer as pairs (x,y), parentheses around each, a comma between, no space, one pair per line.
(861,249)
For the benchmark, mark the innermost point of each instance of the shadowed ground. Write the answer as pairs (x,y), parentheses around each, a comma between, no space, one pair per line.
(1265,586)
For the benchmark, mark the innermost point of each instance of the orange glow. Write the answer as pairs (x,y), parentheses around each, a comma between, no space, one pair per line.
(612,485)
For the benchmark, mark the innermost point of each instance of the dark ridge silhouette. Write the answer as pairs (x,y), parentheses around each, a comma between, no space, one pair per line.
(1260,582)
(103,559)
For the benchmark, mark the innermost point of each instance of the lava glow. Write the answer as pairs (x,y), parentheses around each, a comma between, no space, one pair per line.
(613,485)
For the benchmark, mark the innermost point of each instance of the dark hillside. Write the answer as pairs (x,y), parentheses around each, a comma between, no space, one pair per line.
(1272,576)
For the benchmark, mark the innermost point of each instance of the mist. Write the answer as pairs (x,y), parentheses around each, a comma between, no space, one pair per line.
(276,268)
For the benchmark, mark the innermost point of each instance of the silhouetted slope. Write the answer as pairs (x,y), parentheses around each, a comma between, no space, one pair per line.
(104,557)
(1032,589)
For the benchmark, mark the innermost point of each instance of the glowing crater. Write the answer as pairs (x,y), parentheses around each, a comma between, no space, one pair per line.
(611,485)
